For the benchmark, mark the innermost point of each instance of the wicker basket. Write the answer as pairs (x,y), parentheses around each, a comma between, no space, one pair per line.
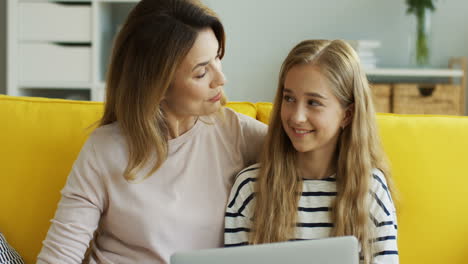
(381,95)
(439,99)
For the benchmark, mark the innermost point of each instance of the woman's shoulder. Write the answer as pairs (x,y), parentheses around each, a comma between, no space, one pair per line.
(111,129)
(237,124)
(106,137)
(231,115)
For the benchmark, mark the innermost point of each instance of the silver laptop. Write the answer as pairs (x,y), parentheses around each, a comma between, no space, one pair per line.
(336,250)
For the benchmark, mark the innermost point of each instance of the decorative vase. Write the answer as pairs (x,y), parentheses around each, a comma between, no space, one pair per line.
(421,38)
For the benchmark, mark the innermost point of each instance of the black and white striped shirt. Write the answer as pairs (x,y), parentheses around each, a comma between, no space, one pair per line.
(314,220)
(7,254)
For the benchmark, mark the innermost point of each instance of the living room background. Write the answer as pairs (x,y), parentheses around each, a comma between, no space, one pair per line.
(261,32)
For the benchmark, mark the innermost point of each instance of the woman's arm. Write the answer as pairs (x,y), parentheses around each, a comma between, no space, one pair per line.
(78,212)
(253,136)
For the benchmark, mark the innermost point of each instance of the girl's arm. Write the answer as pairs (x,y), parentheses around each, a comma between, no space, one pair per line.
(383,215)
(238,211)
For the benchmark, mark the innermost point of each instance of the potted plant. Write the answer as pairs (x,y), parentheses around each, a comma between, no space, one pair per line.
(421,9)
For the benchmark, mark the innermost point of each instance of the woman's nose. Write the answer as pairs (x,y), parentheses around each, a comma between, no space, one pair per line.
(219,78)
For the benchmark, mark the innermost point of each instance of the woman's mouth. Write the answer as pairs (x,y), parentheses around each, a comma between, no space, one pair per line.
(216,98)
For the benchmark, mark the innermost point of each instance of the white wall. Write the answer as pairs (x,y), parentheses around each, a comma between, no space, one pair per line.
(261,32)
(2,47)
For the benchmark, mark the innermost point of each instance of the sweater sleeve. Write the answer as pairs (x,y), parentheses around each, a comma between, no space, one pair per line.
(78,212)
(8,254)
(238,217)
(383,215)
(253,136)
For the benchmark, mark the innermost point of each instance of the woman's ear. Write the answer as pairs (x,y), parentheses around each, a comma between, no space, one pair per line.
(348,116)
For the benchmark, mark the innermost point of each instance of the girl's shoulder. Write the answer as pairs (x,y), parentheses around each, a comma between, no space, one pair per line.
(244,187)
(382,200)
(249,172)
(378,180)
(245,180)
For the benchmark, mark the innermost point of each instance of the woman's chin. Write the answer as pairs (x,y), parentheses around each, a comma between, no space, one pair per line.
(212,108)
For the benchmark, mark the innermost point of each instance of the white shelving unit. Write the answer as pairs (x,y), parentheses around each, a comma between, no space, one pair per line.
(396,72)
(61,48)
(421,91)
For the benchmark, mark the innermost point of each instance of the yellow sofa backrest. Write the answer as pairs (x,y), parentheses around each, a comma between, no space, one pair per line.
(40,139)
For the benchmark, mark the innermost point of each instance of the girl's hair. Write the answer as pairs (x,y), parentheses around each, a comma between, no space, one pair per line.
(279,185)
(152,43)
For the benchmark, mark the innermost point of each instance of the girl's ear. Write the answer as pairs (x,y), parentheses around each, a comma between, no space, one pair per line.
(348,116)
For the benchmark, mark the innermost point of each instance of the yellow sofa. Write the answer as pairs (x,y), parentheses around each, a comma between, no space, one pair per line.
(40,139)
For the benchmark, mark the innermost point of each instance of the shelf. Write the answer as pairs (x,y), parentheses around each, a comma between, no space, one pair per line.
(55,85)
(112,15)
(395,72)
(119,1)
(57,1)
(62,93)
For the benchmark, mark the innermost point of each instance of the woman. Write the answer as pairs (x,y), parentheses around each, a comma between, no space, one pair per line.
(154,178)
(322,171)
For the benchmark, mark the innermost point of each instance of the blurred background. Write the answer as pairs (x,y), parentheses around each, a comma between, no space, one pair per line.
(259,35)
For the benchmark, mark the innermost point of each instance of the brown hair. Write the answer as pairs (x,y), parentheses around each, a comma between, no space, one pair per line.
(359,150)
(152,43)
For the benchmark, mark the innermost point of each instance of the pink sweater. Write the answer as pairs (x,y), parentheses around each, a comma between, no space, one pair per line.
(180,207)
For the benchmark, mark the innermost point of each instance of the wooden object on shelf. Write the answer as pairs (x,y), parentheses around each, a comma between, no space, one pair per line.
(461,62)
(382,95)
(423,98)
(436,99)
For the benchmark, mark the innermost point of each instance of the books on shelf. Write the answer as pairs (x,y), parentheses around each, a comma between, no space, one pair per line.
(365,50)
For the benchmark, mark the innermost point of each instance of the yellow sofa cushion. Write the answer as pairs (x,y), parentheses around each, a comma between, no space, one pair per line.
(41,138)
(40,141)
(263,111)
(245,108)
(429,159)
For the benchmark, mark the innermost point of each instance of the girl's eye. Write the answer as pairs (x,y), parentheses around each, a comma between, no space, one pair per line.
(288,98)
(313,103)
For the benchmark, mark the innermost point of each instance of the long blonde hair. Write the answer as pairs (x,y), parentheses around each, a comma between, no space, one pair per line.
(152,43)
(279,185)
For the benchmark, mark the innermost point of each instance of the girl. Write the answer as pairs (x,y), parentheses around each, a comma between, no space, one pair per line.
(154,178)
(322,170)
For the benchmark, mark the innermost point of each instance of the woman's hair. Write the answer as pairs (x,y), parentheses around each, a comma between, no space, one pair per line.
(152,43)
(279,185)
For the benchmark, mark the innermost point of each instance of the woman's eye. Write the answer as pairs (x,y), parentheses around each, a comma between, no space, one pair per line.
(201,75)
(288,98)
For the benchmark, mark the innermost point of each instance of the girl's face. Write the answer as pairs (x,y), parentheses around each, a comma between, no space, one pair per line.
(311,115)
(197,87)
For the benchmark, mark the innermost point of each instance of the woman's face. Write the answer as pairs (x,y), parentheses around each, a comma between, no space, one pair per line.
(197,87)
(311,115)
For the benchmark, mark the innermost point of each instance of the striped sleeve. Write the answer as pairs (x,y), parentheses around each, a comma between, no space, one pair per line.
(383,215)
(8,255)
(238,217)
